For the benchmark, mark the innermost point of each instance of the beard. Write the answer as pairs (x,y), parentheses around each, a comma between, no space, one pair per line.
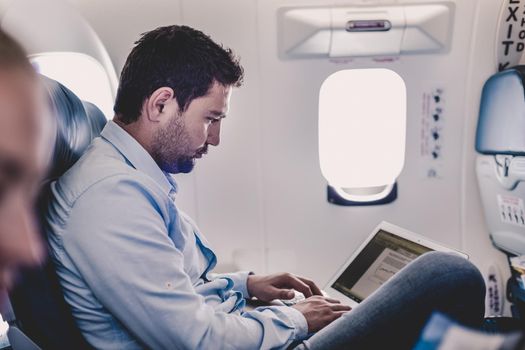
(172,147)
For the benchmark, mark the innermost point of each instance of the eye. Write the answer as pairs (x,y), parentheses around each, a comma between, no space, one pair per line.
(11,170)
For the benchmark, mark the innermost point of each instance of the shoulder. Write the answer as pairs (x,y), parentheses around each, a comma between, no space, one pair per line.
(103,169)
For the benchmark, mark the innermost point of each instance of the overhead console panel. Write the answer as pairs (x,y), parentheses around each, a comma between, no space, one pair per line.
(364,30)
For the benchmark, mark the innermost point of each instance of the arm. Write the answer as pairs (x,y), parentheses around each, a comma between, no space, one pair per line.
(117,237)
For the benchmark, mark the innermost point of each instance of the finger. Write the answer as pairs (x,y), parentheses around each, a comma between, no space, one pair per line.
(285,294)
(332,300)
(299,286)
(340,307)
(312,285)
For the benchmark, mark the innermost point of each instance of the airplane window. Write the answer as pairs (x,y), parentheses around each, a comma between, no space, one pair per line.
(80,73)
(362,131)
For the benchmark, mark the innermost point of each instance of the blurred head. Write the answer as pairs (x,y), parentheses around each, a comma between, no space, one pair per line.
(24,154)
(174,90)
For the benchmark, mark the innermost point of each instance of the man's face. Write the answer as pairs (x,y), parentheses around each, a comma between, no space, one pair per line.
(186,136)
(25,149)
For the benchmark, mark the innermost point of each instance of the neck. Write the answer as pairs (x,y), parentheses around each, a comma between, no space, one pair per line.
(137,131)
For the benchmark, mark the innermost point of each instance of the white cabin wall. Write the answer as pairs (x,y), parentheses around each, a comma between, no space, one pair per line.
(261,191)
(120,22)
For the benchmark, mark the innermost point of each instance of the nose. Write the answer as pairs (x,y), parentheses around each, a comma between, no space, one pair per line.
(214,134)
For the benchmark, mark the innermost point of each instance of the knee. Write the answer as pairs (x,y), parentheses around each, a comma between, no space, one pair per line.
(458,271)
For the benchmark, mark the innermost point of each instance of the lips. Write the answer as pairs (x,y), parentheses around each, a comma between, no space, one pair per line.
(201,152)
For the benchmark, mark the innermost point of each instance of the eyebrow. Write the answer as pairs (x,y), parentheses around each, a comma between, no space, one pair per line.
(218,114)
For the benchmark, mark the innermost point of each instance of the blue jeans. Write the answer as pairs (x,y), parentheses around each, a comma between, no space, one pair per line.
(394,315)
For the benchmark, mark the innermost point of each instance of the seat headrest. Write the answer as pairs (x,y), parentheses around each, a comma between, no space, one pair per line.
(96,118)
(501,122)
(78,122)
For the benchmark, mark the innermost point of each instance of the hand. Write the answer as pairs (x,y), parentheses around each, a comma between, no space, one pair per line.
(279,286)
(320,311)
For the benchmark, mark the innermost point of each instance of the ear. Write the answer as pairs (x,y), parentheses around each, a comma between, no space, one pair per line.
(154,104)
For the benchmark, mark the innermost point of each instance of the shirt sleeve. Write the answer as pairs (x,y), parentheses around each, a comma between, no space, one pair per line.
(117,237)
(239,279)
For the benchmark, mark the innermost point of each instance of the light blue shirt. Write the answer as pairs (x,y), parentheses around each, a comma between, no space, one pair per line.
(136,270)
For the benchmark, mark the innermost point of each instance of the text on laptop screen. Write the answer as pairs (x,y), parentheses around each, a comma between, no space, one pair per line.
(381,258)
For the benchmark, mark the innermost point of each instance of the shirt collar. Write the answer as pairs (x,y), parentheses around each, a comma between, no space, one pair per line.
(137,156)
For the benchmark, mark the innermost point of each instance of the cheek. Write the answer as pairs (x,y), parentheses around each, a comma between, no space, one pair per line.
(198,135)
(19,241)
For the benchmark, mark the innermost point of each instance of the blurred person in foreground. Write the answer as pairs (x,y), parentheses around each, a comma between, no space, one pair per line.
(24,155)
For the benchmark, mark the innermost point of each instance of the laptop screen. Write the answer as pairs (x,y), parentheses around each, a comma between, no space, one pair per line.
(380,259)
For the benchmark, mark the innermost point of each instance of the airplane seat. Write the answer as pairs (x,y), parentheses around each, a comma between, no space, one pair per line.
(500,168)
(38,303)
(96,118)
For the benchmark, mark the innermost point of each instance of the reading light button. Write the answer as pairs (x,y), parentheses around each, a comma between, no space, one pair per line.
(368,26)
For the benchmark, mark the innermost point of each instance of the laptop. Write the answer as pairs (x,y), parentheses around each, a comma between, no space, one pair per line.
(386,251)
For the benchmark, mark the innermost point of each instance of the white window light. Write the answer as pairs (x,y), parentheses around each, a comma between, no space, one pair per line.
(362,132)
(80,73)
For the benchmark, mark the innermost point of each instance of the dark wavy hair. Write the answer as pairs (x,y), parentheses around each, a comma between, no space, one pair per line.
(179,57)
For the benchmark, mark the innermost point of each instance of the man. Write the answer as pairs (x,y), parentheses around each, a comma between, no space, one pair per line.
(136,270)
(25,147)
